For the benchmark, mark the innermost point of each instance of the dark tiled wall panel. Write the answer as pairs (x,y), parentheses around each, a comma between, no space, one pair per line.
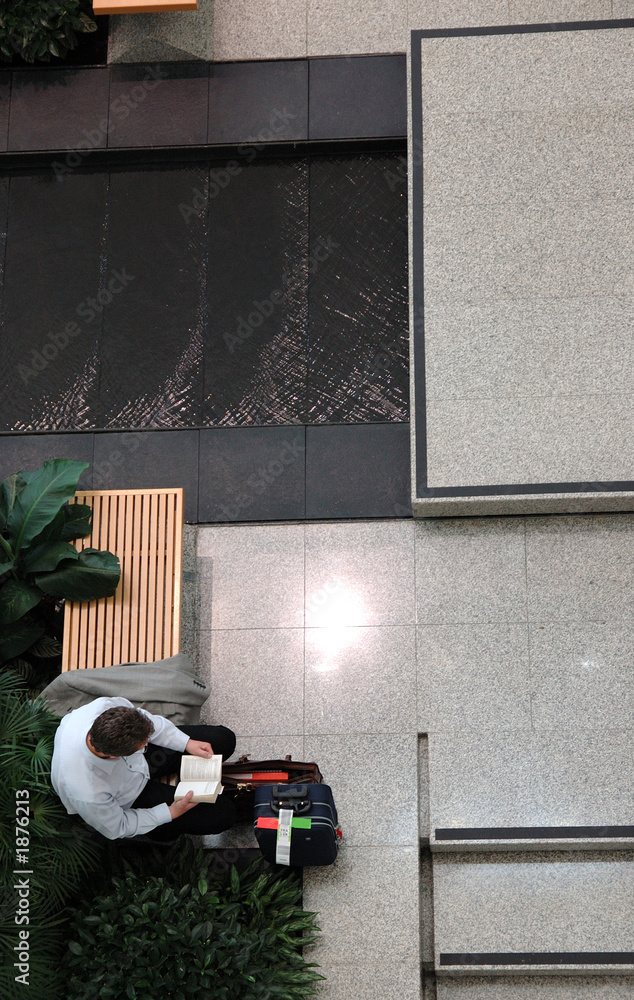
(153,326)
(128,461)
(252,474)
(242,473)
(358,96)
(255,355)
(358,471)
(258,101)
(158,105)
(23,452)
(181,104)
(59,109)
(49,337)
(358,365)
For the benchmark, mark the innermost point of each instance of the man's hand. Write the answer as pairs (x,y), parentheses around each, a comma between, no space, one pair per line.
(198,749)
(182,806)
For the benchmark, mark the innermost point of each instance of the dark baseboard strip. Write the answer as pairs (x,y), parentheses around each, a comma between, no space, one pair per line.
(525,958)
(533,832)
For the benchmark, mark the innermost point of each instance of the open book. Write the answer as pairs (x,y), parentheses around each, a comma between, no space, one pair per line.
(202,776)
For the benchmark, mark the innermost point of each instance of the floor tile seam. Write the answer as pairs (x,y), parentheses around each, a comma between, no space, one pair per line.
(304,628)
(373,732)
(566,731)
(625,620)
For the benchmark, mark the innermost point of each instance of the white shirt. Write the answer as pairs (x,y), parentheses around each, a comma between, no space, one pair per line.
(102,791)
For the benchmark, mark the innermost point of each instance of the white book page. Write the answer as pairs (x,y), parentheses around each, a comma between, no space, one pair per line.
(199,788)
(201,768)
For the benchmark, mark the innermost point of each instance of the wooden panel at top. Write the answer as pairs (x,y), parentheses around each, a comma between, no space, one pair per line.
(141,6)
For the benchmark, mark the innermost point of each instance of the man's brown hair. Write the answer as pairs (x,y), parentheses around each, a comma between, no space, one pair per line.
(119,732)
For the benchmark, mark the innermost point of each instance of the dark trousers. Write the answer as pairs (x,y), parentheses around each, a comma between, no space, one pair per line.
(206,817)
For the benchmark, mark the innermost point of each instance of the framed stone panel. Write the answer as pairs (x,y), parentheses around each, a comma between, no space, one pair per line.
(521,163)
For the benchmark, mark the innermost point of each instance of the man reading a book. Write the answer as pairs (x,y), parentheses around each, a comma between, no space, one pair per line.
(105,768)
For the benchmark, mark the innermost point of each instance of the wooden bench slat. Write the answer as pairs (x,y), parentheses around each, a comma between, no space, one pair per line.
(141,622)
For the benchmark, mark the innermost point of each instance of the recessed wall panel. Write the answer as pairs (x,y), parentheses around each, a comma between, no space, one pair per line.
(154,311)
(255,351)
(50,331)
(358,339)
(523,266)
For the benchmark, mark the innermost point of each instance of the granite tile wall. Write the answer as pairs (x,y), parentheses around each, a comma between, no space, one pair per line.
(228,30)
(528,266)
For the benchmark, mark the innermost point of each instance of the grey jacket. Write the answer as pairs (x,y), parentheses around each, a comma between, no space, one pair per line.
(168,687)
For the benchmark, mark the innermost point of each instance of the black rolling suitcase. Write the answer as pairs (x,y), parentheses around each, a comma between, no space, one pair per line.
(297,824)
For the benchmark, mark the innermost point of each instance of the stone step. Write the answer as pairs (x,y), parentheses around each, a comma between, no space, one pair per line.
(539,790)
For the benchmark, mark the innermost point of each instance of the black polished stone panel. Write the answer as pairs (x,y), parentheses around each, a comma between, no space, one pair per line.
(161,104)
(148,460)
(59,109)
(255,354)
(358,359)
(151,352)
(360,470)
(357,97)
(50,319)
(26,452)
(5,99)
(258,101)
(251,474)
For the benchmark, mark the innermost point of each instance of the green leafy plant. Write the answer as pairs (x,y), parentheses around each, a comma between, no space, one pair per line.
(39,29)
(38,565)
(188,933)
(56,850)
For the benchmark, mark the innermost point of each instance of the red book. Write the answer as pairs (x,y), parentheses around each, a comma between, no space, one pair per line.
(269,777)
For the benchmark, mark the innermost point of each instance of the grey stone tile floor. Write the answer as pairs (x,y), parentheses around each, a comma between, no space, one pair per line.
(345,642)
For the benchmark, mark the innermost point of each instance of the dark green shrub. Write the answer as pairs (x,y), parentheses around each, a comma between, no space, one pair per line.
(212,938)
(38,29)
(58,854)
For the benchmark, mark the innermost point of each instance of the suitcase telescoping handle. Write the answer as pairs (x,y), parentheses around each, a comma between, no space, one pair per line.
(294,797)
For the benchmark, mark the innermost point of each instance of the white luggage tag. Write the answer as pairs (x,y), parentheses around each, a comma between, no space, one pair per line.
(283,846)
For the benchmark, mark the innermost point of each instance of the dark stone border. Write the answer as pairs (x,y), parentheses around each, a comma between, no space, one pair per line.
(240,474)
(422,489)
(200,103)
(532,832)
(527,958)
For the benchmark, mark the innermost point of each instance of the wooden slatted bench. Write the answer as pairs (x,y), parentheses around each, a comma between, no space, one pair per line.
(141,622)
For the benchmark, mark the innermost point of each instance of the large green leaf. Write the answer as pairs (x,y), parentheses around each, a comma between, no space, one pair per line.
(16,598)
(92,575)
(37,503)
(73,520)
(17,638)
(8,493)
(45,557)
(77,521)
